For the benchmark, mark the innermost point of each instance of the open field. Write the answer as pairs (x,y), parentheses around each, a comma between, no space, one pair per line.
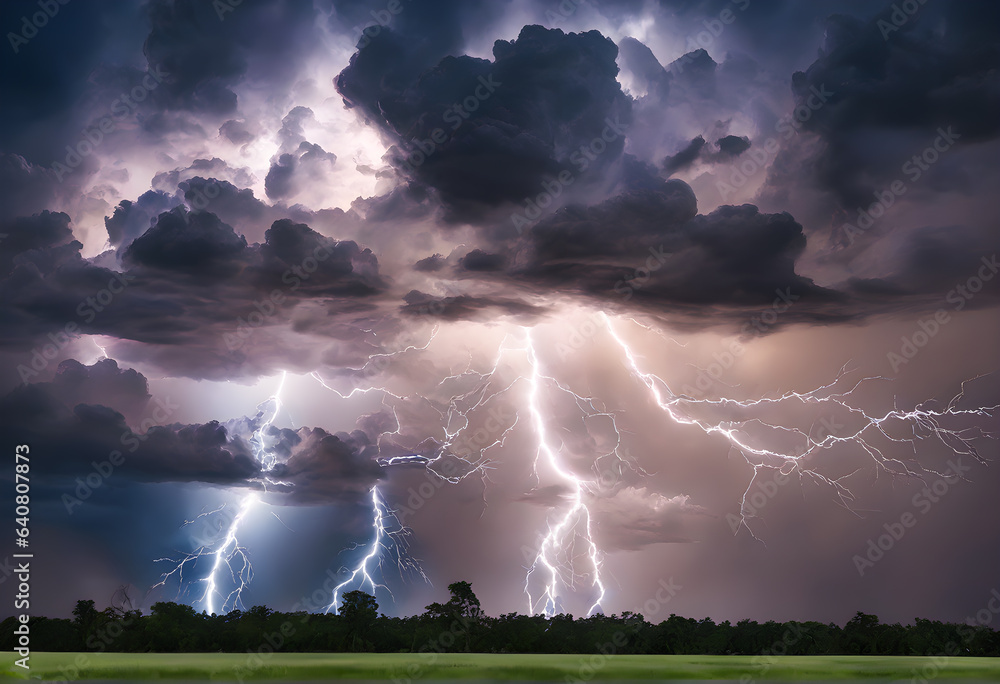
(379,666)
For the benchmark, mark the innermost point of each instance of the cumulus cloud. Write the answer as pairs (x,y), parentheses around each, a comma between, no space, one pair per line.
(634,517)
(386,202)
(504,127)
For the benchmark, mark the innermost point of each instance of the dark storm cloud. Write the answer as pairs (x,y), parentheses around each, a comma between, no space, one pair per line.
(236,132)
(639,60)
(430,264)
(694,75)
(434,29)
(44,78)
(235,205)
(894,86)
(278,183)
(503,127)
(292,170)
(184,283)
(132,219)
(684,158)
(32,234)
(649,250)
(207,55)
(28,189)
(325,467)
(751,26)
(214,169)
(732,256)
(65,80)
(466,307)
(77,420)
(194,243)
(941,262)
(733,145)
(346,268)
(101,383)
(478,260)
(77,435)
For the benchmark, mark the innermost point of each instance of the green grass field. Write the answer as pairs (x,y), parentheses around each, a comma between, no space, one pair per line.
(303,666)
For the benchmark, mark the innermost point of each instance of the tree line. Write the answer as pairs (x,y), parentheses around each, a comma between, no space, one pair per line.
(459,625)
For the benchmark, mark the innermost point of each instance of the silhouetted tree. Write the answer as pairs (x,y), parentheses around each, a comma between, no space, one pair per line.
(359,611)
(358,627)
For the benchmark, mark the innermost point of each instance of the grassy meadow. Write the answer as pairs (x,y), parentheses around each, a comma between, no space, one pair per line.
(430,667)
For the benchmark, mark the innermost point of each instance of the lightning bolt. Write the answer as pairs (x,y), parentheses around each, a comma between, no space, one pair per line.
(391,538)
(230,557)
(104,352)
(568,559)
(923,422)
(229,552)
(557,556)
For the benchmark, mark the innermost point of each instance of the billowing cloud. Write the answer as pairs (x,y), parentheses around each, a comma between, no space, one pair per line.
(498,263)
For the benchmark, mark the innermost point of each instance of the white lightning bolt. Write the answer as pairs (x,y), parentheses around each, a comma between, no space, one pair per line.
(390,537)
(557,551)
(923,421)
(229,552)
(104,351)
(568,559)
(229,556)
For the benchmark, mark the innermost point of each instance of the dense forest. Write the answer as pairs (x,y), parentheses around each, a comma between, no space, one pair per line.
(460,625)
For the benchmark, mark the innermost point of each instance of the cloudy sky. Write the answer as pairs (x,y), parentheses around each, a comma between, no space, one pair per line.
(565,299)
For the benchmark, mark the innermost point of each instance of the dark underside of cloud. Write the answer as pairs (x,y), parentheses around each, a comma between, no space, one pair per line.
(77,416)
(367,200)
(478,141)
